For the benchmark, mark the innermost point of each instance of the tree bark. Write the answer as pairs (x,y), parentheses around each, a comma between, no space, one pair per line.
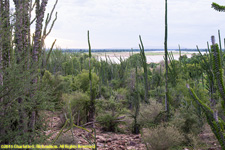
(21,51)
(40,11)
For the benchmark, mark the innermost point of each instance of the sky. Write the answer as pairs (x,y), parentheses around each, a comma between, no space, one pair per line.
(118,23)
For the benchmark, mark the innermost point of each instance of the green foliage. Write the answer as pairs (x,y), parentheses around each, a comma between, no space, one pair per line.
(57,85)
(216,126)
(67,138)
(181,96)
(63,136)
(149,113)
(76,103)
(162,137)
(15,89)
(218,7)
(116,83)
(72,66)
(109,112)
(109,122)
(217,70)
(173,70)
(134,60)
(188,122)
(158,93)
(221,111)
(84,85)
(144,65)
(105,92)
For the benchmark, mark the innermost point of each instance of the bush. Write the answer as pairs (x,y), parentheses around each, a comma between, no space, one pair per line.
(81,82)
(108,111)
(149,113)
(57,86)
(187,121)
(77,103)
(108,122)
(162,137)
(105,92)
(66,138)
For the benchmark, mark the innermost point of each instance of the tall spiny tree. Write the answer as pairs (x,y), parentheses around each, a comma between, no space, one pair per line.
(37,47)
(166,62)
(20,92)
(6,36)
(144,64)
(5,46)
(22,26)
(216,123)
(92,102)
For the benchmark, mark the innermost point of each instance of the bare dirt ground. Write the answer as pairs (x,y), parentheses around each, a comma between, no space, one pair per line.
(105,140)
(116,141)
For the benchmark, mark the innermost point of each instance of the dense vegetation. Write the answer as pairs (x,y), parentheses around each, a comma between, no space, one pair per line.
(124,97)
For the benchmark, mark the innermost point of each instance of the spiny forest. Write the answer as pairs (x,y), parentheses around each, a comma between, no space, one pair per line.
(168,104)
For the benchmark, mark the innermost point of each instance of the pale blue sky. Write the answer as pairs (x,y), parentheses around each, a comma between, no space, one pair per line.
(118,23)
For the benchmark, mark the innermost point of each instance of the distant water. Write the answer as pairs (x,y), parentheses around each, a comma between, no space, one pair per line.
(129,50)
(150,59)
(153,58)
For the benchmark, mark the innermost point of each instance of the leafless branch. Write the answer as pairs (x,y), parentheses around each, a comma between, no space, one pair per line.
(47,21)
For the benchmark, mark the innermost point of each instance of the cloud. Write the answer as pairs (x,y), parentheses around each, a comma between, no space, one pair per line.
(117,23)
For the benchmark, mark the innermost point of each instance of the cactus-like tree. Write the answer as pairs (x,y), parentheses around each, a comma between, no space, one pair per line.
(166,62)
(144,64)
(217,125)
(19,64)
(5,45)
(92,101)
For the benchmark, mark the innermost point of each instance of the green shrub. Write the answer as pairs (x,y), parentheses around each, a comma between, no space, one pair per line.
(187,122)
(78,103)
(57,86)
(121,96)
(76,84)
(67,138)
(108,122)
(162,137)
(158,93)
(105,92)
(108,111)
(148,113)
(116,83)
(81,82)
